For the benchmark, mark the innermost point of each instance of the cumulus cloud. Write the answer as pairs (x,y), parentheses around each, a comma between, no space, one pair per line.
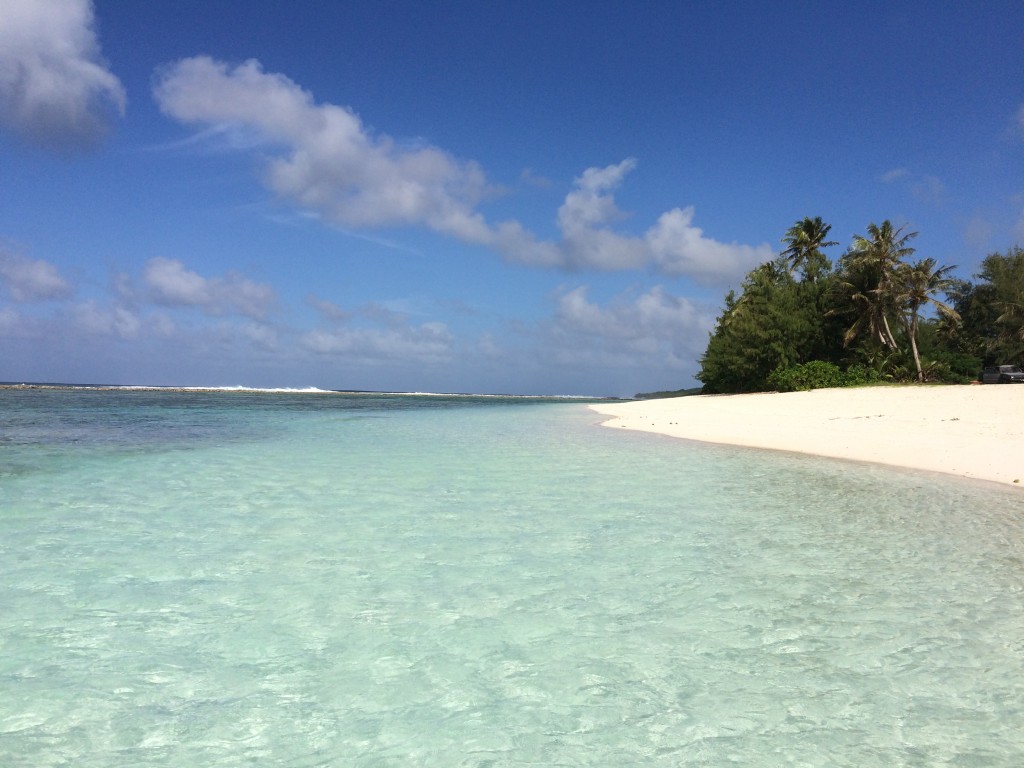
(673,245)
(55,89)
(587,240)
(93,319)
(680,248)
(654,330)
(324,159)
(332,164)
(654,314)
(170,283)
(31,279)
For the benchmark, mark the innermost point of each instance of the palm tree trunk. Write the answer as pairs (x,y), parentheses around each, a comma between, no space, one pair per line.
(888,339)
(911,327)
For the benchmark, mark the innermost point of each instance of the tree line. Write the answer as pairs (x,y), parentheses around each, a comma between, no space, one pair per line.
(878,314)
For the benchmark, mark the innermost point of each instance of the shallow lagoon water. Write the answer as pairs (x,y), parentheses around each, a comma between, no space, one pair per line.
(322,580)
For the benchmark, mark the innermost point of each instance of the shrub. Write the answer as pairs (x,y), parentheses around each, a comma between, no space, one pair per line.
(816,374)
(859,375)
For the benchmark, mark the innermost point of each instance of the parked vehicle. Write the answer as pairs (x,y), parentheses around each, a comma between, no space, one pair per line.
(1001,374)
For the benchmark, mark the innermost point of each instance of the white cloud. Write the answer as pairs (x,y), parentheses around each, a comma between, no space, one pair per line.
(1018,228)
(928,189)
(654,314)
(672,245)
(393,313)
(333,164)
(171,284)
(10,322)
(161,325)
(45,328)
(263,335)
(654,330)
(92,319)
(328,309)
(679,248)
(587,241)
(428,343)
(527,176)
(894,175)
(55,89)
(376,333)
(978,232)
(31,279)
(924,187)
(328,162)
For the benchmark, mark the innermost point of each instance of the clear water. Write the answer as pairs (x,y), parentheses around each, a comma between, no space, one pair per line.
(230,579)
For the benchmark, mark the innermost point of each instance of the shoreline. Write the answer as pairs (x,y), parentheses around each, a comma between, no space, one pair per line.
(284,391)
(969,431)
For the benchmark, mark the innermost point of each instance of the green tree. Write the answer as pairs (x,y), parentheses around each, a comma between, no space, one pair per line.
(775,322)
(915,286)
(966,336)
(1003,290)
(869,282)
(803,252)
(991,327)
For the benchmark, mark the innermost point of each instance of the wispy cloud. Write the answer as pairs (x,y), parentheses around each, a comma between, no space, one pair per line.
(428,343)
(375,333)
(894,175)
(55,89)
(924,187)
(928,189)
(978,232)
(324,159)
(328,309)
(1018,228)
(529,177)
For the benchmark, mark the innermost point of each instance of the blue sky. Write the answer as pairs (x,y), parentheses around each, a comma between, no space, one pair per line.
(523,197)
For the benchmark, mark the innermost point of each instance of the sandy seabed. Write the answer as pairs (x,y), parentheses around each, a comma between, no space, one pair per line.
(973,431)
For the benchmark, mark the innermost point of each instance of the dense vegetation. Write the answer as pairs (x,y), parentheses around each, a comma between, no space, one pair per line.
(668,393)
(877,315)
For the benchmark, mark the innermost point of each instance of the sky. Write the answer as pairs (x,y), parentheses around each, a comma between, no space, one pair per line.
(512,196)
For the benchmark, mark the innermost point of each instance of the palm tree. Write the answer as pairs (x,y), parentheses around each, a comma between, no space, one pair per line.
(869,271)
(915,287)
(804,241)
(863,301)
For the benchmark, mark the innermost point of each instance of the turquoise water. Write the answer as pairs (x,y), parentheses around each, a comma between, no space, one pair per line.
(317,580)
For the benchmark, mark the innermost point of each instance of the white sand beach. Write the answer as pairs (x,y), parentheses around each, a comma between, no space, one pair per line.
(971,431)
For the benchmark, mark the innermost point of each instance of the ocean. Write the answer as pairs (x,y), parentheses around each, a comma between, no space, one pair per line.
(238,579)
